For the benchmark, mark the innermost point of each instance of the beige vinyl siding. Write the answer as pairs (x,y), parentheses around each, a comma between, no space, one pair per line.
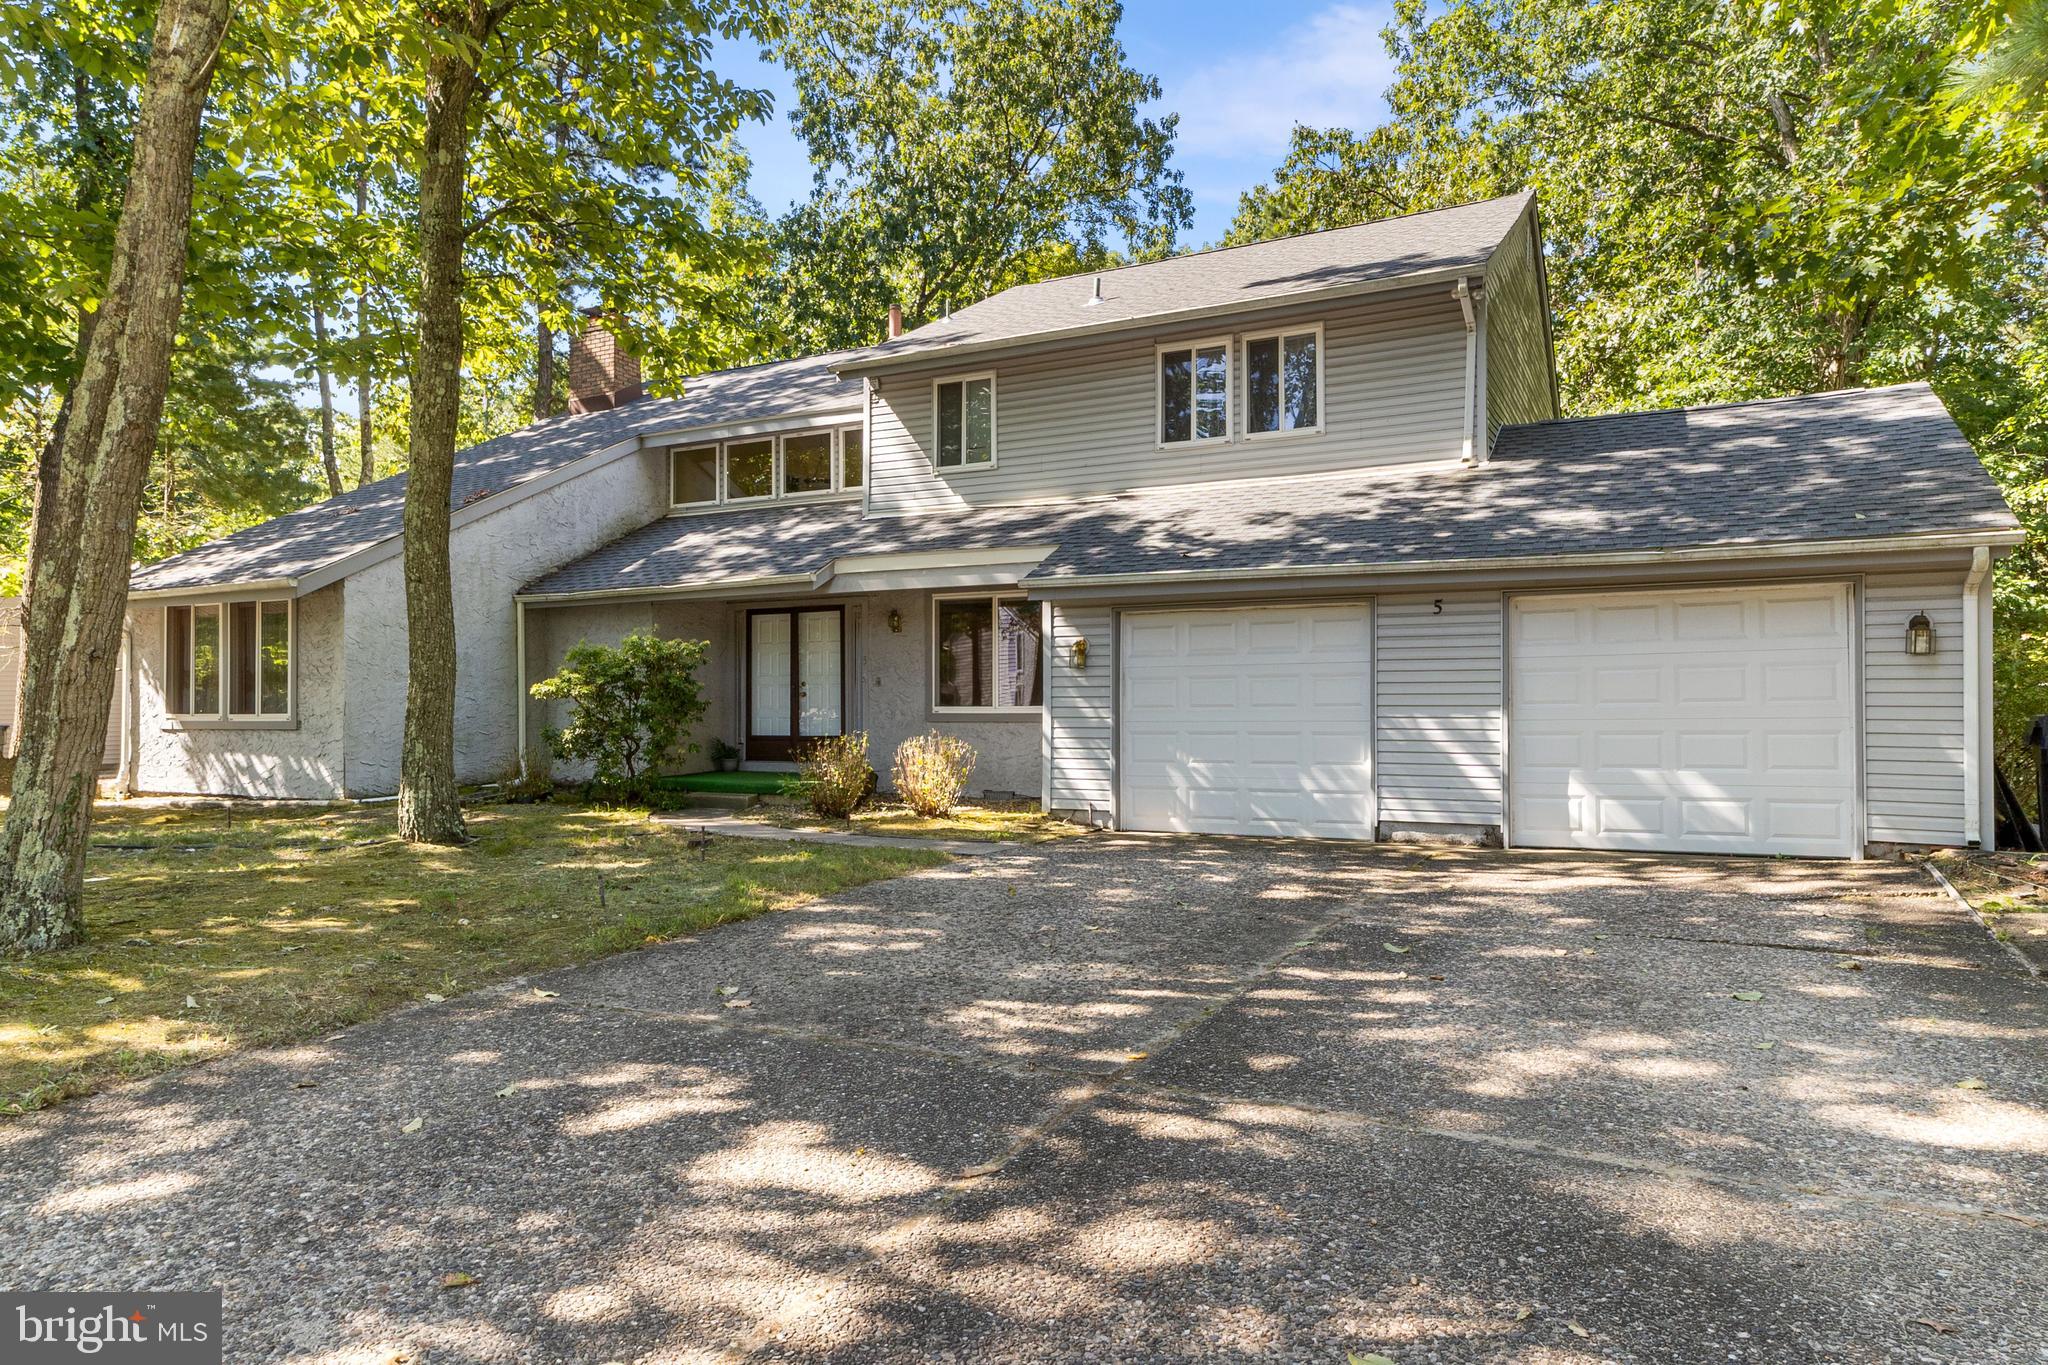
(1913,710)
(10,683)
(1518,387)
(1081,722)
(1437,709)
(1081,421)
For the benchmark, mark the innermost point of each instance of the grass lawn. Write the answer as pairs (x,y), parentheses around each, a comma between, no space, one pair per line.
(216,930)
(993,823)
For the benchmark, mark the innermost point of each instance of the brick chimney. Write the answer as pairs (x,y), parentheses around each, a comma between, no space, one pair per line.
(895,321)
(601,373)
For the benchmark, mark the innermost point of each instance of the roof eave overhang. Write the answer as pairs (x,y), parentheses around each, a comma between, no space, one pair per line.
(235,588)
(874,364)
(1777,550)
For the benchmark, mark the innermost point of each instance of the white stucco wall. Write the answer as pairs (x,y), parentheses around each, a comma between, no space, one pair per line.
(301,759)
(492,558)
(888,684)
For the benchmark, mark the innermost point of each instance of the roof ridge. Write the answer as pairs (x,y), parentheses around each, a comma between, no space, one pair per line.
(1717,407)
(1523,193)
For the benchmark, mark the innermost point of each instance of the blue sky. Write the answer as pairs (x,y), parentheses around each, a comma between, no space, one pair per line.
(1240,76)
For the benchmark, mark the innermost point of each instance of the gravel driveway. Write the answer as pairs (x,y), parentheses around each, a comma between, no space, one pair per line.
(1134,1100)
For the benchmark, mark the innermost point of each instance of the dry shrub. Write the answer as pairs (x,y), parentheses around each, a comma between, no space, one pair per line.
(836,775)
(932,771)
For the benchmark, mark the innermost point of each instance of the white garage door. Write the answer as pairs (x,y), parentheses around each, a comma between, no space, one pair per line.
(1248,722)
(1707,722)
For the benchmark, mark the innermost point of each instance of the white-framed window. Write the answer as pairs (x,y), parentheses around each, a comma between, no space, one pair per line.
(815,462)
(229,660)
(964,421)
(1194,392)
(693,475)
(852,457)
(1283,382)
(987,653)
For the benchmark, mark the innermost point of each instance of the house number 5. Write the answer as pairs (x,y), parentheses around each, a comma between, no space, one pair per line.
(1437,607)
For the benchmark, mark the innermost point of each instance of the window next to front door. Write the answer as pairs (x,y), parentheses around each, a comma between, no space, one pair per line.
(796,679)
(987,654)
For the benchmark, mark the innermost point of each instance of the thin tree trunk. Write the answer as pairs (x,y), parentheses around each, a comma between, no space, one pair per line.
(429,808)
(368,453)
(543,371)
(79,592)
(327,460)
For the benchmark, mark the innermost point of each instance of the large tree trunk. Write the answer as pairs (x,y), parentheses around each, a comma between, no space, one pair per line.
(429,809)
(543,371)
(78,594)
(327,459)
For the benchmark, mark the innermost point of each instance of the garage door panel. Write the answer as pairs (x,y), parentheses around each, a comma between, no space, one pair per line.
(1703,721)
(1255,721)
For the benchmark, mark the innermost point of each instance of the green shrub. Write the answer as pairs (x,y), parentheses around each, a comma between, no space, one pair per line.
(932,771)
(836,775)
(630,706)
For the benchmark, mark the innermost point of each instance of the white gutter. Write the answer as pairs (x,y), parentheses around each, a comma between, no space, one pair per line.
(1943,540)
(1463,294)
(124,776)
(1975,740)
(242,588)
(712,589)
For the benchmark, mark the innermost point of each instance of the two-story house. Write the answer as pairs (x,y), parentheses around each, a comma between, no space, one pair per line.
(1281,539)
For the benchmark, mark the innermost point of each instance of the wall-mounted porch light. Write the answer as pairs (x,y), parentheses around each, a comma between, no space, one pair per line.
(1081,654)
(1920,634)
(895,623)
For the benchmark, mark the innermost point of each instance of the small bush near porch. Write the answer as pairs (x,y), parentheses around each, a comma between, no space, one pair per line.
(218,930)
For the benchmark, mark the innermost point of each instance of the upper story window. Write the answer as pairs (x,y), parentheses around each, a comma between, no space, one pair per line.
(818,462)
(966,421)
(228,660)
(1283,382)
(1194,392)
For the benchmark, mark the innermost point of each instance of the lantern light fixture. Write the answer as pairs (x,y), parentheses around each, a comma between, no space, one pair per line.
(895,623)
(1919,634)
(1081,654)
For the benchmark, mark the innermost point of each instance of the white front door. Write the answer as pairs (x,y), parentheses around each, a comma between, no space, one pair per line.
(796,679)
(1710,721)
(1248,721)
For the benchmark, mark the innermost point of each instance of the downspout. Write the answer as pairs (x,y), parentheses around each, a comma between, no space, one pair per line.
(124,778)
(1974,737)
(519,674)
(1463,294)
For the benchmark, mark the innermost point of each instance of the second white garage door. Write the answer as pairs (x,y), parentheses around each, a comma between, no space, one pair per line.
(1704,722)
(1253,721)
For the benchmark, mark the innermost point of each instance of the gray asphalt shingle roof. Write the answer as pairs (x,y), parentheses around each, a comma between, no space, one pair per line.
(1366,254)
(305,541)
(1827,467)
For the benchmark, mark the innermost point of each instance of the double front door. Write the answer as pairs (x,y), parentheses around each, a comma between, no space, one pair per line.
(796,679)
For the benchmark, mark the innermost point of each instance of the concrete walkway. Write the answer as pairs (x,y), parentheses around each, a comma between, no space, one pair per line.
(1134,1100)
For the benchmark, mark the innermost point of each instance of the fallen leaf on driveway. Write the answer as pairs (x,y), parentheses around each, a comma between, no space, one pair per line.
(728,990)
(1393,947)
(1577,1330)
(1943,1328)
(433,999)
(1765,1046)
(1748,995)
(1139,1056)
(104,1000)
(506,1093)
(546,995)
(1354,1358)
(1852,965)
(739,1004)
(1970,1083)
(457,1279)
(414,1125)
